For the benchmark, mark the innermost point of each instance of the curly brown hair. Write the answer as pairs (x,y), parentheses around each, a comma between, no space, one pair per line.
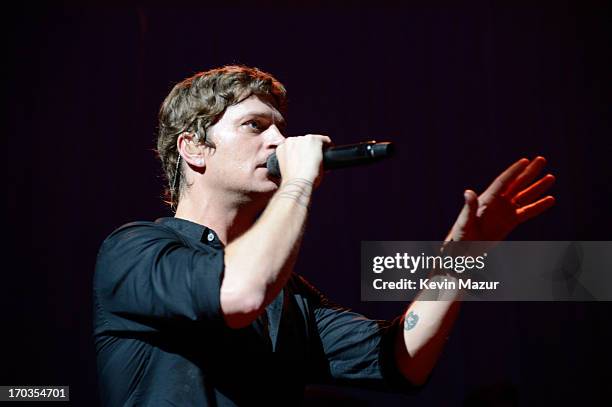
(197,103)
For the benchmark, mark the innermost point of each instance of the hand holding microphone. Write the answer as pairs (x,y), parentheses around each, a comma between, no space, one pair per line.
(300,158)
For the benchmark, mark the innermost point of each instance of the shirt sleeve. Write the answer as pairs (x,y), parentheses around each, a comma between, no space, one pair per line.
(147,278)
(356,349)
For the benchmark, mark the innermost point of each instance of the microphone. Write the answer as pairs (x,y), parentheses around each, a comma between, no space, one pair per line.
(348,155)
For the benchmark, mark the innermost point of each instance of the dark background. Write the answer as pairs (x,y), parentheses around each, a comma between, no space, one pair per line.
(462,90)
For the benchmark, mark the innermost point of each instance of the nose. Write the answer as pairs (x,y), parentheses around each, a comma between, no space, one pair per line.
(274,137)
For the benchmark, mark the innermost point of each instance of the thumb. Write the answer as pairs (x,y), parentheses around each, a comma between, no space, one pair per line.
(471,201)
(468,212)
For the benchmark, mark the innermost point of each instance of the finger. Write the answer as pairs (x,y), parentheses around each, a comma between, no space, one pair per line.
(324,139)
(505,178)
(525,177)
(535,191)
(536,208)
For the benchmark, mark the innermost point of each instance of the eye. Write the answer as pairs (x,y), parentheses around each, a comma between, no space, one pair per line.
(253,125)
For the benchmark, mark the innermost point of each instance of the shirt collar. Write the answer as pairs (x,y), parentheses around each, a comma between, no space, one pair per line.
(192,230)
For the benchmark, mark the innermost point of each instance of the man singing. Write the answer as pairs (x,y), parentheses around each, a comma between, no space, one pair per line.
(203,308)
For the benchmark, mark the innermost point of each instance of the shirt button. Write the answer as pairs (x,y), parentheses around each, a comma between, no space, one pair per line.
(210,237)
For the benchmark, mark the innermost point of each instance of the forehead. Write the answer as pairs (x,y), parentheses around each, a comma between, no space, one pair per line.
(254,105)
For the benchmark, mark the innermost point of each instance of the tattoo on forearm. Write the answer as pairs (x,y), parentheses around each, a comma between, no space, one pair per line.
(410,321)
(298,189)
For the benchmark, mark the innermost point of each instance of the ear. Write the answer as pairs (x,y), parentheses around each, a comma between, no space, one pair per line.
(190,149)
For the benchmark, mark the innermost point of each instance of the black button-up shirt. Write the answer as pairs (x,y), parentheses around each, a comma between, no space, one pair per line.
(161,339)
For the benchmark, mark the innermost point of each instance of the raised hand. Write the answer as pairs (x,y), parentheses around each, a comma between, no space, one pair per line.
(510,200)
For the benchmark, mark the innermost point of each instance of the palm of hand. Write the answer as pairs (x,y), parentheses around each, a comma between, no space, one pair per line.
(510,200)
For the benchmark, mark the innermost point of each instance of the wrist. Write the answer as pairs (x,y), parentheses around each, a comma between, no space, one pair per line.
(302,176)
(297,189)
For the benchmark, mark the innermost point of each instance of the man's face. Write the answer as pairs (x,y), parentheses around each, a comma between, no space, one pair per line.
(244,137)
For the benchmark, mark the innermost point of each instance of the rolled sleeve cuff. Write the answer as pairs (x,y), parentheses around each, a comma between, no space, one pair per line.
(390,372)
(209,273)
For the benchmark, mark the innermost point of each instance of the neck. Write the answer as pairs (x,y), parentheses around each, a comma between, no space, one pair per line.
(229,218)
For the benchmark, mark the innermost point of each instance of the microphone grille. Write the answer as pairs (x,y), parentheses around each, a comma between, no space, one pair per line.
(272,166)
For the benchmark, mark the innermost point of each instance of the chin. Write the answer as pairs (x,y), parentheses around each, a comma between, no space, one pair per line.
(268,183)
(262,187)
(270,186)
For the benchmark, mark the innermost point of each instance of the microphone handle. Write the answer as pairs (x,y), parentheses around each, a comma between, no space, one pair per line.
(351,155)
(344,156)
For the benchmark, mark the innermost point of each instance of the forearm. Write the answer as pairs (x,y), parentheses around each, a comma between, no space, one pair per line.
(259,263)
(425,327)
